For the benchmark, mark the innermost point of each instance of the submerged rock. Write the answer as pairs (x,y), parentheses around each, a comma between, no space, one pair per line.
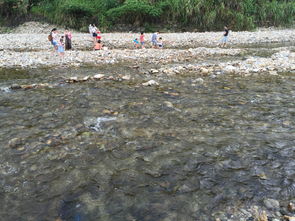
(199,80)
(290,218)
(15,142)
(271,204)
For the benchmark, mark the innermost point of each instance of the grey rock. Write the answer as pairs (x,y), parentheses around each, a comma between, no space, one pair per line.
(15,86)
(15,142)
(271,204)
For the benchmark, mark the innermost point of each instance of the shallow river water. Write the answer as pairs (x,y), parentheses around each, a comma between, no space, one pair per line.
(114,151)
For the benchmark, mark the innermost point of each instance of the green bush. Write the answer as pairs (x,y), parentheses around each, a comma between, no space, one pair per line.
(134,11)
(198,14)
(13,9)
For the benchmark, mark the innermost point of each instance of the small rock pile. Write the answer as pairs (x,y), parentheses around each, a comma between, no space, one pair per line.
(279,62)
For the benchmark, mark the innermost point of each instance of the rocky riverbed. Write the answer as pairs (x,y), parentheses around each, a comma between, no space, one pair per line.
(189,132)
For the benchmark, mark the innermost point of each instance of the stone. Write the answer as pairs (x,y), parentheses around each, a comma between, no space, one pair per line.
(15,86)
(126,77)
(273,73)
(262,216)
(15,142)
(291,207)
(200,80)
(168,104)
(271,204)
(26,87)
(86,78)
(150,83)
(204,71)
(98,76)
(154,71)
(230,69)
(73,79)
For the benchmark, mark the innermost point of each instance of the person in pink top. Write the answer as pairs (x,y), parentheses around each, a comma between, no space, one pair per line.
(68,41)
(141,38)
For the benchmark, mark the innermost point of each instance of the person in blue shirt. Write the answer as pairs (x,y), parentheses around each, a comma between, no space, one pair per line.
(136,43)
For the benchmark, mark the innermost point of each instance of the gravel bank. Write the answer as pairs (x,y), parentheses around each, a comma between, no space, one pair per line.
(22,48)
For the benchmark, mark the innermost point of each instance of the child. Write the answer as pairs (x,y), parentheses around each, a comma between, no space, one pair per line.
(141,38)
(98,45)
(98,35)
(61,48)
(136,43)
(160,43)
(225,37)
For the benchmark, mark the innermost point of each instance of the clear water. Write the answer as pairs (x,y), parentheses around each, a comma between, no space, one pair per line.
(106,150)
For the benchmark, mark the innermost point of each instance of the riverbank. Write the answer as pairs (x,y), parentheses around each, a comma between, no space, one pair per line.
(28,47)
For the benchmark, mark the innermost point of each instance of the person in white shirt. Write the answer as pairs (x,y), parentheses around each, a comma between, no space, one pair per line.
(90,29)
(94,34)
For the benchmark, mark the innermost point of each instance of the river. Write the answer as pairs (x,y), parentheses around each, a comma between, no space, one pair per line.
(109,150)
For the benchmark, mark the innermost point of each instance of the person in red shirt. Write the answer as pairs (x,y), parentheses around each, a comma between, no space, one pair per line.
(98,35)
(141,38)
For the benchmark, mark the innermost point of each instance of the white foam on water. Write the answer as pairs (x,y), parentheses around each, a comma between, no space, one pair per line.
(5,89)
(99,121)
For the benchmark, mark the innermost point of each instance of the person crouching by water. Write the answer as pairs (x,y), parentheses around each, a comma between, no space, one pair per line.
(155,39)
(98,45)
(68,40)
(225,37)
(136,43)
(160,43)
(61,48)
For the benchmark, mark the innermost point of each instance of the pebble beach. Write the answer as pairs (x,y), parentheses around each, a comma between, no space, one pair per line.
(28,47)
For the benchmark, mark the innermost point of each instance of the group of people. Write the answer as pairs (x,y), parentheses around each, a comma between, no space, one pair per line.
(157,42)
(60,43)
(95,34)
(64,42)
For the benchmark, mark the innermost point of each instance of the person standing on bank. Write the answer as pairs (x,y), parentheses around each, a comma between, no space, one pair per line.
(90,29)
(94,34)
(225,37)
(68,40)
(52,37)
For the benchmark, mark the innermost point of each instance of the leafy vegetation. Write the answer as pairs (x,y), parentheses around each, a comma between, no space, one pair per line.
(199,14)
